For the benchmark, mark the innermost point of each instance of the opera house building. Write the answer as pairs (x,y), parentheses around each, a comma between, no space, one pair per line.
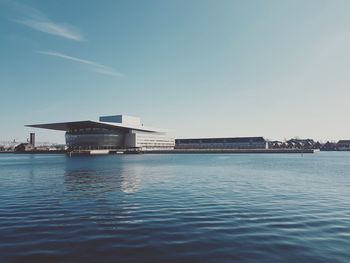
(111,133)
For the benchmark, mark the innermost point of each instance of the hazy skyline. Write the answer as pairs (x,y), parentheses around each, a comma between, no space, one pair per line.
(276,69)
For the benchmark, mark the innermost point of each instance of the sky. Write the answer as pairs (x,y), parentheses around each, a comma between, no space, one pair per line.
(200,68)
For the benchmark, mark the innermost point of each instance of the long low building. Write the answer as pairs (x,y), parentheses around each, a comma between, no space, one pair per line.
(222,143)
(111,133)
(343,145)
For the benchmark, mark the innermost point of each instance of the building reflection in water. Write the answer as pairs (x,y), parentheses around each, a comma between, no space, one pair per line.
(91,176)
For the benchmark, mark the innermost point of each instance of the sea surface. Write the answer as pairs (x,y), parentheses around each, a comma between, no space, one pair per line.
(175,208)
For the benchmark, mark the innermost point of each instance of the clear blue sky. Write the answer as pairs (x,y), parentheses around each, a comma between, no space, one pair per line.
(202,68)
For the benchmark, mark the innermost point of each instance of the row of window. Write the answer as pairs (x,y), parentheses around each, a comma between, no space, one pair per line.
(155,141)
(155,144)
(223,146)
(93,131)
(221,140)
(147,138)
(220,144)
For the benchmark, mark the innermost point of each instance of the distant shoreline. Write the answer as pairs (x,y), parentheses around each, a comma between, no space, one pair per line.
(35,152)
(180,151)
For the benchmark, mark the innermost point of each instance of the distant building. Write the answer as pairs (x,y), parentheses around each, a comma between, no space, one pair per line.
(276,145)
(317,145)
(343,145)
(111,133)
(32,139)
(59,147)
(329,146)
(24,147)
(222,143)
(301,143)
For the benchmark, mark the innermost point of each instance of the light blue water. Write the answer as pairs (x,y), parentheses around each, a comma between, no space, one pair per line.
(175,208)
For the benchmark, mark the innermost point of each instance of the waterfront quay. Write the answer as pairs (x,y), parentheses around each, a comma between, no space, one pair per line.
(241,151)
(174,151)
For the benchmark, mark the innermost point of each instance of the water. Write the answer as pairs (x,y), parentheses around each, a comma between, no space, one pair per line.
(175,208)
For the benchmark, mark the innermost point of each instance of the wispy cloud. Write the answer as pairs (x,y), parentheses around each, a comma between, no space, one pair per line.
(96,67)
(52,28)
(33,18)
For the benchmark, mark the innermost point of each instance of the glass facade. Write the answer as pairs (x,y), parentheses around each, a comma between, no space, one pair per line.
(104,139)
(95,138)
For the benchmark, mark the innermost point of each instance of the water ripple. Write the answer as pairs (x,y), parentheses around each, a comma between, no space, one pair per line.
(175,208)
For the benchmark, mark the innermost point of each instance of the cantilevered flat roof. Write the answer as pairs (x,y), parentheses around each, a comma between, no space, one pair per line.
(66,126)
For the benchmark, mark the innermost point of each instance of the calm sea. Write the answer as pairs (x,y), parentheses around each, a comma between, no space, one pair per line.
(175,208)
